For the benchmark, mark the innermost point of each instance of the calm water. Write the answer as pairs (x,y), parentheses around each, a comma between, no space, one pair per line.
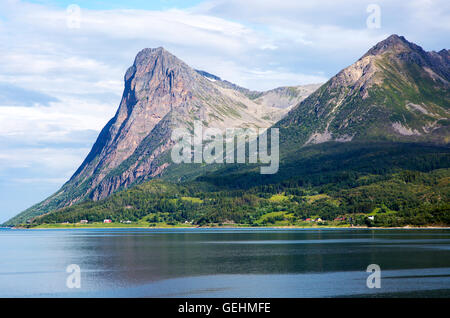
(224,263)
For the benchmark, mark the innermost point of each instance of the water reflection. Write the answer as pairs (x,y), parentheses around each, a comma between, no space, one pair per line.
(135,263)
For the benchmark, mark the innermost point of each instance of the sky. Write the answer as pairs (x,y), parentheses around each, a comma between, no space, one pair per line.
(62,63)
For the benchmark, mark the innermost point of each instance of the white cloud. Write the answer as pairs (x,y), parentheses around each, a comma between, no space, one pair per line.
(57,181)
(61,161)
(107,41)
(337,25)
(54,123)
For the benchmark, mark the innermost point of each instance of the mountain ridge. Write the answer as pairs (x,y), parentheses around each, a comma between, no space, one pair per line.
(400,88)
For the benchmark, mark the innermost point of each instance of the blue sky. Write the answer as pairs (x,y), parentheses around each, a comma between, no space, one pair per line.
(61,71)
(116,4)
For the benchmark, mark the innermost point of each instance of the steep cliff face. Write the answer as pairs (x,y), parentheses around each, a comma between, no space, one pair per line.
(162,93)
(156,85)
(396,91)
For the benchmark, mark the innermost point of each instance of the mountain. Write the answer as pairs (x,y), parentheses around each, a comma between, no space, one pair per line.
(396,91)
(374,140)
(162,93)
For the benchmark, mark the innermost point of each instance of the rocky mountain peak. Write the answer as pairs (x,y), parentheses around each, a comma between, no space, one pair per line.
(152,65)
(149,53)
(397,48)
(393,43)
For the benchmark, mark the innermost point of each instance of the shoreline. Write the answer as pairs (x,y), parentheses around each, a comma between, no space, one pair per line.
(237,227)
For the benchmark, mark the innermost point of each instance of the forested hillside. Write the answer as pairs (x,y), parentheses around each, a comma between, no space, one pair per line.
(397,184)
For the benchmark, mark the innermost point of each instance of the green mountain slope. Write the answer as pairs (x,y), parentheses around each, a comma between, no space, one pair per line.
(398,183)
(396,91)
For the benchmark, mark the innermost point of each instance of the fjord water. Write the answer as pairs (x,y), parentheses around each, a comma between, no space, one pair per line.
(224,262)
